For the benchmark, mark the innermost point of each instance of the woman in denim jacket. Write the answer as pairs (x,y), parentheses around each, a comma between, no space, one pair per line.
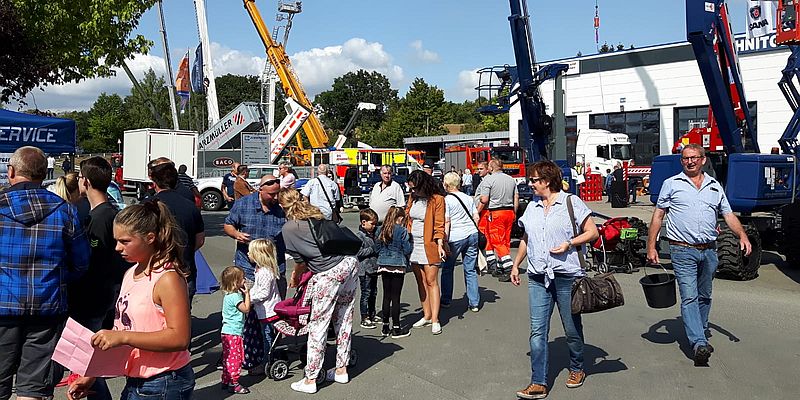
(394,247)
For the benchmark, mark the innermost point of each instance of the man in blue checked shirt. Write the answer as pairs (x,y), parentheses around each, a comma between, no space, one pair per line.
(258,216)
(43,249)
(692,200)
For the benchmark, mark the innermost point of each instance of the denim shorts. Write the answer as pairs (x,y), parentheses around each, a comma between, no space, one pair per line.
(170,385)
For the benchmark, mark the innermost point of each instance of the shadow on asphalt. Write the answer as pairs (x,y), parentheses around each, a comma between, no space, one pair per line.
(791,271)
(206,342)
(596,360)
(673,332)
(213,223)
(459,307)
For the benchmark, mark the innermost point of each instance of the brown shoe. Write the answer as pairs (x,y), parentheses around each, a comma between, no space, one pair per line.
(576,379)
(533,391)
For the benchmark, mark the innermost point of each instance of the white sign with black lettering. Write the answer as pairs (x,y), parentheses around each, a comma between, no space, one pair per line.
(255,149)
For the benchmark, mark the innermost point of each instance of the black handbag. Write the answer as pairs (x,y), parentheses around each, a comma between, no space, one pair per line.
(481,237)
(592,294)
(335,215)
(333,239)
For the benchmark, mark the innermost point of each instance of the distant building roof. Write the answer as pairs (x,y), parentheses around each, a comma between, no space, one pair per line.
(464,137)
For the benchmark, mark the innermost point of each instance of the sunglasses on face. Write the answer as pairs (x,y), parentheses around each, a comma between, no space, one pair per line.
(534,179)
(269,182)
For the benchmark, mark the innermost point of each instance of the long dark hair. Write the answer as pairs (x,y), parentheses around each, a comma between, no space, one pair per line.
(424,185)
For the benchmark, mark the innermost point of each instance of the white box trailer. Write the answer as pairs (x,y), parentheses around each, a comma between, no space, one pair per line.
(143,145)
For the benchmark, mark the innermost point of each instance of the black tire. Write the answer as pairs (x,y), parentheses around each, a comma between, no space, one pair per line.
(279,370)
(732,262)
(790,228)
(212,200)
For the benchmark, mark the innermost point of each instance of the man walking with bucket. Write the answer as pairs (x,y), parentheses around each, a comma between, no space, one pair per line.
(692,200)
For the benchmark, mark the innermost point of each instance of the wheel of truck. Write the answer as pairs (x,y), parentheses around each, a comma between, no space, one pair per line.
(212,200)
(733,264)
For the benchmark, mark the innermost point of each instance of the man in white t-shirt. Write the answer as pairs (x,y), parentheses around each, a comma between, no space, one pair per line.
(51,163)
(322,192)
(386,193)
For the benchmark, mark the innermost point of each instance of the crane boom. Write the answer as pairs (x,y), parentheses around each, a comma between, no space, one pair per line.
(291,85)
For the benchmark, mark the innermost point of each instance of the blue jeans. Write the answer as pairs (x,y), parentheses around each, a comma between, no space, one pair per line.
(468,248)
(541,307)
(369,292)
(694,271)
(170,385)
(269,335)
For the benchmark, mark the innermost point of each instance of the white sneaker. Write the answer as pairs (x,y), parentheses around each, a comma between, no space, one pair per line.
(332,376)
(303,387)
(421,323)
(436,328)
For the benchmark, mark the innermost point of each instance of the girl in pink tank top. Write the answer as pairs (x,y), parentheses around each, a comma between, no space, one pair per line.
(152,311)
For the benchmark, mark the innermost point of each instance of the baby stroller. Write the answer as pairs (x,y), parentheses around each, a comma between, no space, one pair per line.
(620,247)
(292,326)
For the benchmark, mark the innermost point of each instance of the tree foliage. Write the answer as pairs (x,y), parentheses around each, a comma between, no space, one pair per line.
(108,119)
(235,89)
(54,42)
(338,104)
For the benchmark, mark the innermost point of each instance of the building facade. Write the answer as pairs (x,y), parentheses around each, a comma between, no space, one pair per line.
(653,94)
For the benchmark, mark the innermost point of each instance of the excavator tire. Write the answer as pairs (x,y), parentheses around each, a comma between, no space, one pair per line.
(732,262)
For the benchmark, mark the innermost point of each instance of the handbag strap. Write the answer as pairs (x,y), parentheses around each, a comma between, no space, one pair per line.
(579,248)
(325,192)
(465,210)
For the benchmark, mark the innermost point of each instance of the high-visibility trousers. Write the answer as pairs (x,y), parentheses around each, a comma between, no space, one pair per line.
(499,233)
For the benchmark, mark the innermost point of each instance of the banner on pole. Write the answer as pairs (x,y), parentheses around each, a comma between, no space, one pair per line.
(760,18)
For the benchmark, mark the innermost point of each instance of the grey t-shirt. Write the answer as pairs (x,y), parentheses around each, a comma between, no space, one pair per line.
(300,244)
(500,188)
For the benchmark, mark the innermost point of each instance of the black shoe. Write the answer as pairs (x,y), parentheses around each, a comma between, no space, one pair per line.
(497,273)
(504,278)
(398,332)
(710,348)
(385,330)
(701,356)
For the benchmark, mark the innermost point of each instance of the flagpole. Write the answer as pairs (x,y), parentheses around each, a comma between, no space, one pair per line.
(170,80)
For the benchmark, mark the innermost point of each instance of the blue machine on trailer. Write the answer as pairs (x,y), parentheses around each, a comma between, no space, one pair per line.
(754,182)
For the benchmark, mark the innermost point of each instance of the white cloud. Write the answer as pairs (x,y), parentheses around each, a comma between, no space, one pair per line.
(422,54)
(465,86)
(315,68)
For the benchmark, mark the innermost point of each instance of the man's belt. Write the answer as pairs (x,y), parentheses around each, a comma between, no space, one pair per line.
(701,246)
(502,208)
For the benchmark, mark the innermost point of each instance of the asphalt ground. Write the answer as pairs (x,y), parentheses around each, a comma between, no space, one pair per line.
(632,352)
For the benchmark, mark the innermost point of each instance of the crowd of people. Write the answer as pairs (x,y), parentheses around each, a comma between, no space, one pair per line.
(129,275)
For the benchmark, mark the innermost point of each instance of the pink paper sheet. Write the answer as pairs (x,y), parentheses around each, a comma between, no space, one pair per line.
(75,351)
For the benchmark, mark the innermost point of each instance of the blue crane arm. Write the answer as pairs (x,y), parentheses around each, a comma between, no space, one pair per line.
(707,26)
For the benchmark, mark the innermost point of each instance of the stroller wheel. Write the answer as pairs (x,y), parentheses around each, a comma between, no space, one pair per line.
(602,268)
(353,358)
(279,370)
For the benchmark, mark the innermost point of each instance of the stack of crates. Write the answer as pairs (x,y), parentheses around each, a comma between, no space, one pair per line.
(592,188)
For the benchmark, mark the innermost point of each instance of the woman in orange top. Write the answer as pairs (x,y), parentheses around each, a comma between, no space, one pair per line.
(152,311)
(425,212)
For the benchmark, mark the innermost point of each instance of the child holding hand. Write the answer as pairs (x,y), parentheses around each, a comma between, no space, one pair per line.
(264,294)
(235,305)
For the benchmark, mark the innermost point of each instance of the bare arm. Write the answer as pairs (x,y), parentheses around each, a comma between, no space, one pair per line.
(522,252)
(244,306)
(652,234)
(516,201)
(484,201)
(738,230)
(231,231)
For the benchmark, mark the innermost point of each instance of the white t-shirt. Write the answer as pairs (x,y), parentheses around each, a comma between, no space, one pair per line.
(461,224)
(315,191)
(380,199)
(51,162)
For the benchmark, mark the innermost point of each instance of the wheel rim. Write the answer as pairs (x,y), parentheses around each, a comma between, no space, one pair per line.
(279,370)
(210,201)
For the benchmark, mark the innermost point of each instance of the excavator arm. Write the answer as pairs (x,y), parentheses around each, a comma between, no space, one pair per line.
(291,85)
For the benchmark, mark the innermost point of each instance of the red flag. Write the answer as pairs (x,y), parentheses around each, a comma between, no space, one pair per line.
(182,83)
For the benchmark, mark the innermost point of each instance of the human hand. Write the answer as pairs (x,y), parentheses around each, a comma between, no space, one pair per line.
(294,279)
(79,388)
(442,253)
(745,246)
(242,237)
(562,248)
(515,276)
(652,256)
(106,339)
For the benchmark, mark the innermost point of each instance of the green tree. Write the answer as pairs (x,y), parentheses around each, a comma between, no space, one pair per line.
(235,89)
(337,105)
(153,89)
(81,119)
(53,42)
(107,121)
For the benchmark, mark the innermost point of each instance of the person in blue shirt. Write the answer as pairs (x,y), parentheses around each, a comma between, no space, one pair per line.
(691,201)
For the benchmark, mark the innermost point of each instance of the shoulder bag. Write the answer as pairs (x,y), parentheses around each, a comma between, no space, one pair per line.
(598,293)
(335,216)
(481,237)
(333,239)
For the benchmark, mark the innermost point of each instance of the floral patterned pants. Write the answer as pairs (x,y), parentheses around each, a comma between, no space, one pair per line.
(332,297)
(232,357)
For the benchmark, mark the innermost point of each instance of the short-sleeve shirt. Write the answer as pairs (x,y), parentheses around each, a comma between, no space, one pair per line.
(247,216)
(287,181)
(461,224)
(189,220)
(319,191)
(548,231)
(691,213)
(232,318)
(500,188)
(228,180)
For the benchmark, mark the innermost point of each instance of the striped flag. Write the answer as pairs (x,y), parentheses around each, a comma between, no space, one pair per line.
(182,83)
(596,24)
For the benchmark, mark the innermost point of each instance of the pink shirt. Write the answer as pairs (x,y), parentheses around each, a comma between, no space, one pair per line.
(287,181)
(136,311)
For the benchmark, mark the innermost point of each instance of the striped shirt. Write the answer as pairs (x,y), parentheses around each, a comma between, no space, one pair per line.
(546,231)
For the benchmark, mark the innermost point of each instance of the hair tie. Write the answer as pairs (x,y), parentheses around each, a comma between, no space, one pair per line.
(152,205)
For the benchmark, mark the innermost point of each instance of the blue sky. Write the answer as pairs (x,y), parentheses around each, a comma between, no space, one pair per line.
(442,41)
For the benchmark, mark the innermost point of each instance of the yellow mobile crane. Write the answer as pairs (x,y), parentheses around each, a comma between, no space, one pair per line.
(291,85)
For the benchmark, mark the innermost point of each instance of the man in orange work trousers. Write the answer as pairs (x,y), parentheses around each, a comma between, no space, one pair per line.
(499,197)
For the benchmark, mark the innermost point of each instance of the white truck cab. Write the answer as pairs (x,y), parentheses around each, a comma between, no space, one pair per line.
(601,149)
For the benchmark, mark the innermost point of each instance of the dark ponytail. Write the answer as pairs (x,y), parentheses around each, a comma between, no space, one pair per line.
(153,216)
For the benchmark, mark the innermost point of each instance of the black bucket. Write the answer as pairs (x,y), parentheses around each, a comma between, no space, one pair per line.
(659,290)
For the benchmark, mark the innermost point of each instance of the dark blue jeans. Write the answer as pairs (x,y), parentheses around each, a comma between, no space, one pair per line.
(369,292)
(694,271)
(542,301)
(269,335)
(170,385)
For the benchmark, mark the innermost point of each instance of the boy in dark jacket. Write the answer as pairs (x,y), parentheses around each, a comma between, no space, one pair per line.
(368,267)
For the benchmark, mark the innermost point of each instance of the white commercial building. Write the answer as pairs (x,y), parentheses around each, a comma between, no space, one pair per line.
(652,94)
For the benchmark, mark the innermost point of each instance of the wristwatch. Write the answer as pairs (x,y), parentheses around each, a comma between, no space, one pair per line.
(569,242)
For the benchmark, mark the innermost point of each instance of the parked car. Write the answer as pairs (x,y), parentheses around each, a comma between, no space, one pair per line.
(210,187)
